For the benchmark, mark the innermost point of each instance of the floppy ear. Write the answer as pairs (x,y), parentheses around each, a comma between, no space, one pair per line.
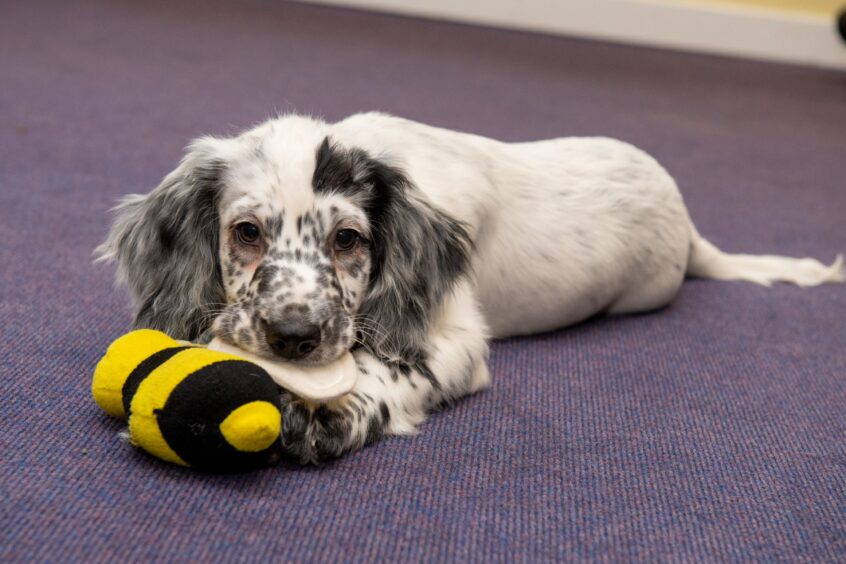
(419,253)
(166,246)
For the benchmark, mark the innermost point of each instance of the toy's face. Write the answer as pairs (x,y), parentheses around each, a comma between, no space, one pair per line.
(295,250)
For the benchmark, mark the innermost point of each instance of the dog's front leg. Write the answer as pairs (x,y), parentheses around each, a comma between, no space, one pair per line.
(393,397)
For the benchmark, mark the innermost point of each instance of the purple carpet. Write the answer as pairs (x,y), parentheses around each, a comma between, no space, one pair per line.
(713,430)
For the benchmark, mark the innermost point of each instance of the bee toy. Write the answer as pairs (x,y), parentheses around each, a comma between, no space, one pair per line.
(191,405)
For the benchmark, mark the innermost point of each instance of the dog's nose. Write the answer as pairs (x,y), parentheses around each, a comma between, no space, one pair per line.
(292,340)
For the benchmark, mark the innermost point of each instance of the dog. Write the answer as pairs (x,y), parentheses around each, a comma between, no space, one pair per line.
(411,246)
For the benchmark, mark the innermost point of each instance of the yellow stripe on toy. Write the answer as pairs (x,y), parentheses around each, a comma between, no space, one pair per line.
(121,358)
(154,392)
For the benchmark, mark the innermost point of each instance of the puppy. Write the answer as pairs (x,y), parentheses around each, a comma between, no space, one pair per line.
(410,245)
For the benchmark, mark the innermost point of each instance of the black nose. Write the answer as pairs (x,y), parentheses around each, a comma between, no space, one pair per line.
(292,340)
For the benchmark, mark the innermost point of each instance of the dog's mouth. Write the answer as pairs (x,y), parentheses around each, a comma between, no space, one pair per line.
(243,332)
(311,382)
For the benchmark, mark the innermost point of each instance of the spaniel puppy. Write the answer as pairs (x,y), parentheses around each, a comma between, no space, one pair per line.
(411,246)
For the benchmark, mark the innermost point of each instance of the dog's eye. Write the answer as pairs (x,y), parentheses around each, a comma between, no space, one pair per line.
(247,233)
(346,239)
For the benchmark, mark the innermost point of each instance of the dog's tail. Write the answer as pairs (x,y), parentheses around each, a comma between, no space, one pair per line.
(707,261)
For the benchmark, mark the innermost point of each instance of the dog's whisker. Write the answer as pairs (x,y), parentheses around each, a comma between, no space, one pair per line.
(372,330)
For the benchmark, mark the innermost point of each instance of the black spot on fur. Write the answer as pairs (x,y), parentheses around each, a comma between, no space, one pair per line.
(424,371)
(378,424)
(386,414)
(264,275)
(274,225)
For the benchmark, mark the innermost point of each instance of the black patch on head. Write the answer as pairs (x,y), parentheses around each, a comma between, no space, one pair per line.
(335,169)
(418,251)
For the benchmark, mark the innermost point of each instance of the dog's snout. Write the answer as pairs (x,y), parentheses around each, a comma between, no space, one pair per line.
(292,339)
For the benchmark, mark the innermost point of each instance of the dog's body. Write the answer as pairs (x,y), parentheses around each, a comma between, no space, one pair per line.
(455,237)
(563,229)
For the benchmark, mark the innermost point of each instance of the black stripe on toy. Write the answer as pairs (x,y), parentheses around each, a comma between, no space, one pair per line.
(142,371)
(190,420)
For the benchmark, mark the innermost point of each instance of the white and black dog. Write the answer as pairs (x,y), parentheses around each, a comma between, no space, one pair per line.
(410,245)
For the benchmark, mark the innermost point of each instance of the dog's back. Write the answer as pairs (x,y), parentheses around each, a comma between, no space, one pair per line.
(566,228)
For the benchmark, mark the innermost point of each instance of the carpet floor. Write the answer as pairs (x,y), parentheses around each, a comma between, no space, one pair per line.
(712,430)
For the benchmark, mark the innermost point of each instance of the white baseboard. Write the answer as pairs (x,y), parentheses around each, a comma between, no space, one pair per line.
(755,33)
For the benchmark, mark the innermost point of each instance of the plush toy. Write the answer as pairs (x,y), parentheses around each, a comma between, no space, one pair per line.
(191,405)
(216,408)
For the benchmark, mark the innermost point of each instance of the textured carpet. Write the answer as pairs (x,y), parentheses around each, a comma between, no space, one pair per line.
(712,430)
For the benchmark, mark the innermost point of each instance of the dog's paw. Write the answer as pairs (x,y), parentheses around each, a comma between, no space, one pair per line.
(313,433)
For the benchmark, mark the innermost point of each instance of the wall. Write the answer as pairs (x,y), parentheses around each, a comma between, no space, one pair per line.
(803,32)
(816,7)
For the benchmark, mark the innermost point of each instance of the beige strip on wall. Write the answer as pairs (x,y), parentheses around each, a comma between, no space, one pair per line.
(814,7)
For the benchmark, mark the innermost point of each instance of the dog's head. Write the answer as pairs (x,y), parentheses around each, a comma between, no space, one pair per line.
(287,244)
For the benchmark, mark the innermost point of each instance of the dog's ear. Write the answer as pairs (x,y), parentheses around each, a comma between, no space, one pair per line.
(419,253)
(166,245)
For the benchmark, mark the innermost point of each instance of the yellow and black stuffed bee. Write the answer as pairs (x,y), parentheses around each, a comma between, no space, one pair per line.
(191,405)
